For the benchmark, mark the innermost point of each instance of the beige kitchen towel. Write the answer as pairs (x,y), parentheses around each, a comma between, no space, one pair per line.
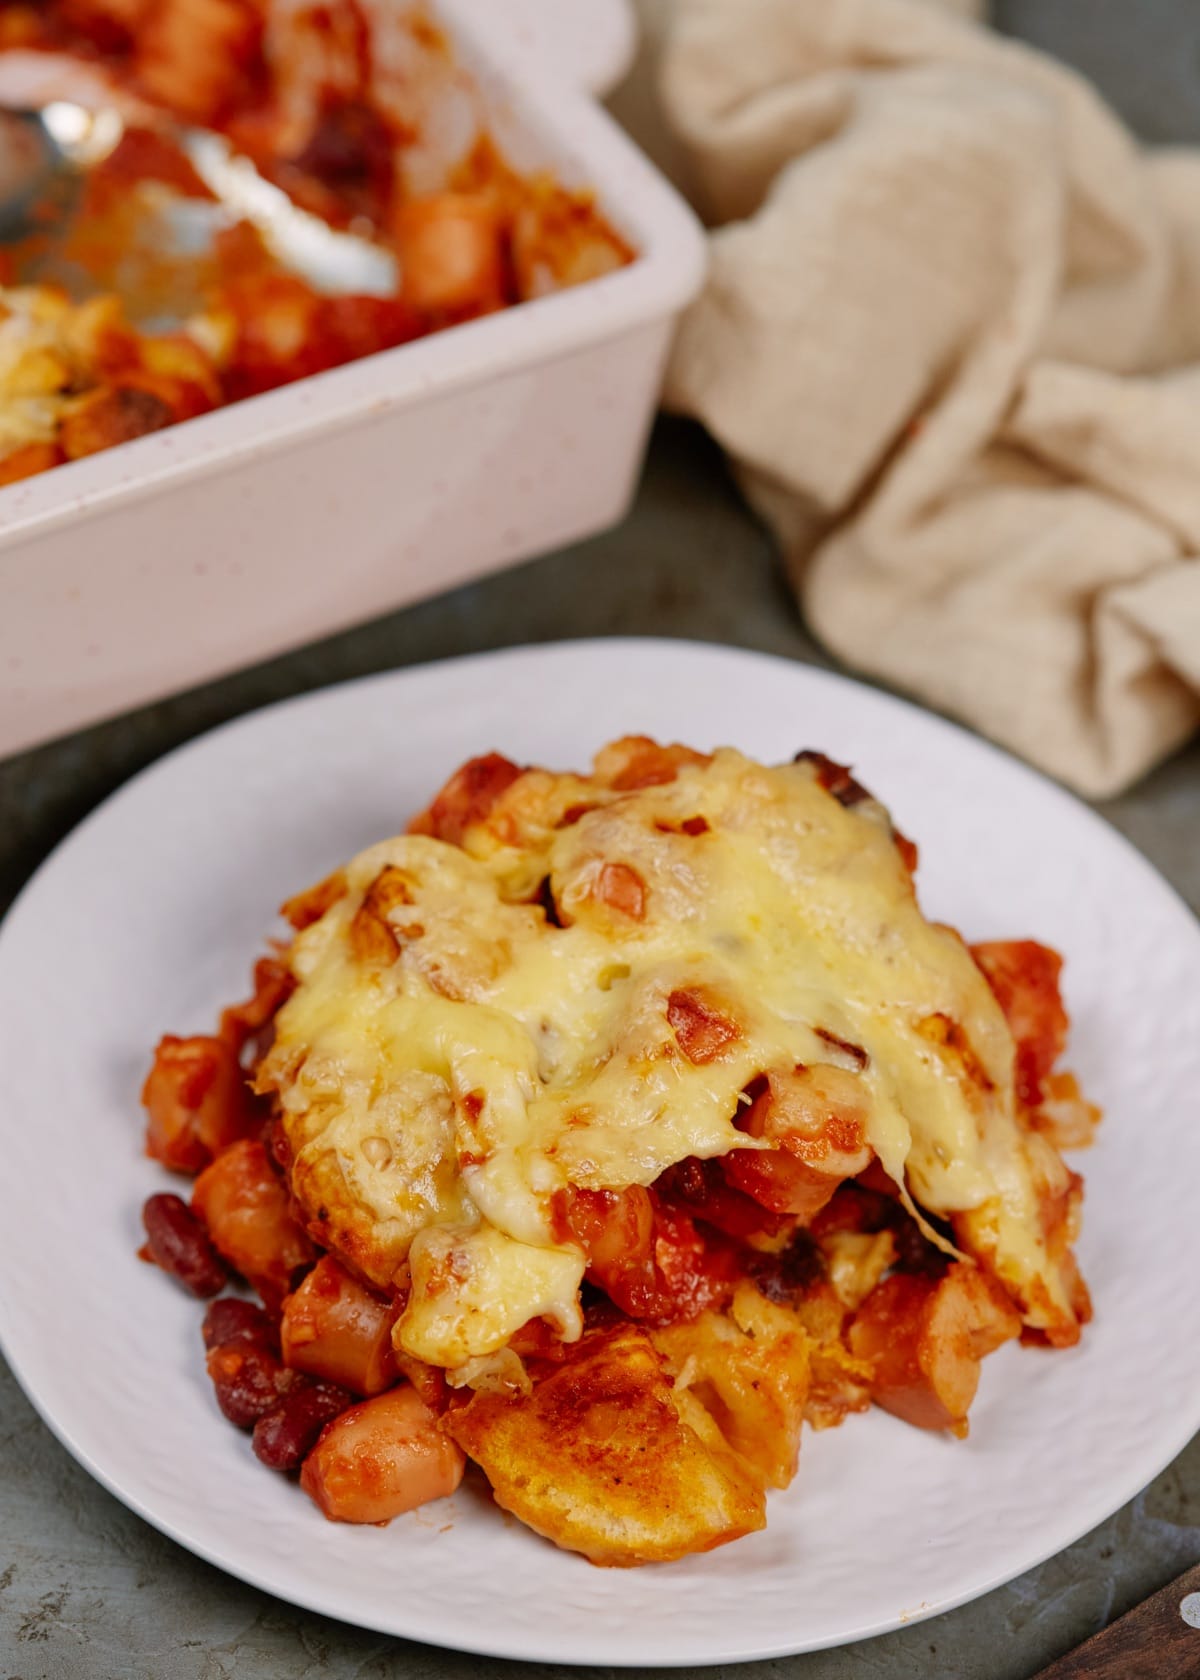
(951,341)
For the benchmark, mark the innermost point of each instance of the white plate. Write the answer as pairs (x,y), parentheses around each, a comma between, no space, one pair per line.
(148,917)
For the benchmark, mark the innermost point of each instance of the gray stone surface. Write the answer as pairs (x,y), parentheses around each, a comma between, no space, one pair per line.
(89,1590)
(1143,55)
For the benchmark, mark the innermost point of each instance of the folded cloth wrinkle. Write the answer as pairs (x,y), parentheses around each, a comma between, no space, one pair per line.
(948,342)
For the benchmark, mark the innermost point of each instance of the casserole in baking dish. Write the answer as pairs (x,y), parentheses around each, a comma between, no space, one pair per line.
(304,225)
(184,553)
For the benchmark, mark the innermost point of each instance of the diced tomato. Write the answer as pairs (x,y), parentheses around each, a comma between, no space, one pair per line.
(702,1190)
(646,1254)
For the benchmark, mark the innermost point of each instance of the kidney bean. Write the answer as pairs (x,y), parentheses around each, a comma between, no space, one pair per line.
(231,1319)
(284,1436)
(178,1242)
(249,1379)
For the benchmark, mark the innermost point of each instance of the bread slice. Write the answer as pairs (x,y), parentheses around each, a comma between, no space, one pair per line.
(607,1458)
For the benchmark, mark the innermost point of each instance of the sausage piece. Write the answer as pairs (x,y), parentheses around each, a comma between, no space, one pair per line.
(197,1102)
(815,1122)
(382,1458)
(244,1203)
(335,1329)
(926,1337)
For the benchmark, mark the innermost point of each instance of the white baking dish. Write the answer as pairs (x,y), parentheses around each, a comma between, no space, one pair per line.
(283,518)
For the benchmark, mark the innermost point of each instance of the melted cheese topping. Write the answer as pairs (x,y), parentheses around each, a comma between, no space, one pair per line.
(439,1085)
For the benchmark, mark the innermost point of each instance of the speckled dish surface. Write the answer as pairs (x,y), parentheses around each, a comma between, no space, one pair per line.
(147,918)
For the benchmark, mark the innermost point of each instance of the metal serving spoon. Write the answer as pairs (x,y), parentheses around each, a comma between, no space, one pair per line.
(46,153)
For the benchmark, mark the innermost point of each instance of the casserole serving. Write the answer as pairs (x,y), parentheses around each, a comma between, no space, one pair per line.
(886,1524)
(638,1119)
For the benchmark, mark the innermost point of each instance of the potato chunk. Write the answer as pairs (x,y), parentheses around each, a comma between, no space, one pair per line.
(606,1458)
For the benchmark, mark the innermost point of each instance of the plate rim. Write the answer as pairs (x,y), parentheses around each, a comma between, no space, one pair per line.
(558,1648)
